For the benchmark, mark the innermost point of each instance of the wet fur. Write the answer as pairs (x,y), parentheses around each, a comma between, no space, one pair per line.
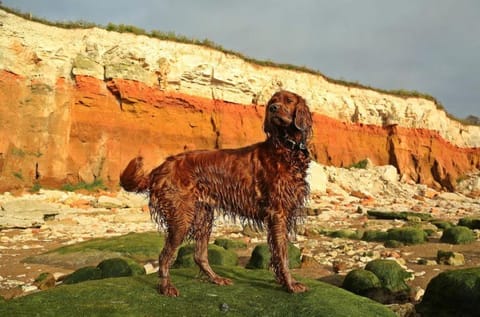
(263,183)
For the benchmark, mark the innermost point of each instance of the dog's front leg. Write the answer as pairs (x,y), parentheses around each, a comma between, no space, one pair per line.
(277,241)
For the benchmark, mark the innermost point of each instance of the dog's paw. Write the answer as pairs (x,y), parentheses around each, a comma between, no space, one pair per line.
(222,281)
(297,287)
(168,290)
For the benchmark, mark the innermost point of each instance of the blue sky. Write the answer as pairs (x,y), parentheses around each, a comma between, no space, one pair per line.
(432,46)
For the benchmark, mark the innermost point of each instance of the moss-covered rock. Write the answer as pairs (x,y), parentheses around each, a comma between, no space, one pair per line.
(216,256)
(375,235)
(470,222)
(115,267)
(83,274)
(458,235)
(407,235)
(254,293)
(390,273)
(402,215)
(442,224)
(361,281)
(220,256)
(135,267)
(452,293)
(230,244)
(450,258)
(44,281)
(260,258)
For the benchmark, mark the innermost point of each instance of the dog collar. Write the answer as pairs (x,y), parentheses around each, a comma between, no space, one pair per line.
(292,145)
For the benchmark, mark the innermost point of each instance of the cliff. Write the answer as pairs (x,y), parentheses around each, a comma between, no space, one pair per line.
(76,105)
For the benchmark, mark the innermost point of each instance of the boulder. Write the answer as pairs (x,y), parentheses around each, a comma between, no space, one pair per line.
(217,255)
(260,258)
(115,267)
(83,274)
(450,258)
(470,222)
(317,178)
(392,276)
(452,293)
(360,281)
(230,244)
(45,281)
(407,235)
(458,235)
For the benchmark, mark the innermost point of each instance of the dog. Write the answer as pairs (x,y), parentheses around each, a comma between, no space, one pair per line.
(263,183)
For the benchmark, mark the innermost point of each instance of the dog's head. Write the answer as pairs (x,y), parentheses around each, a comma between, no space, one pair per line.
(287,117)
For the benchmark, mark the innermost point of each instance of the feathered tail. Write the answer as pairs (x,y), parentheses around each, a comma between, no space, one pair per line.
(133,178)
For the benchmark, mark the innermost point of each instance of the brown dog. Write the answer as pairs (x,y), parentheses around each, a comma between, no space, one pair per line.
(263,183)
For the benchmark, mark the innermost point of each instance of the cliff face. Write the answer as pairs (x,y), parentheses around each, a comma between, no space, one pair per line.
(76,105)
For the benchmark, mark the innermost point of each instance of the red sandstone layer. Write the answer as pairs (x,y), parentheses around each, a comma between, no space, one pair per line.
(89,129)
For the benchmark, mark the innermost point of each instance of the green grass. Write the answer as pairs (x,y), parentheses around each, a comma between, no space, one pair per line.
(172,36)
(251,294)
(93,186)
(360,164)
(18,175)
(254,293)
(137,246)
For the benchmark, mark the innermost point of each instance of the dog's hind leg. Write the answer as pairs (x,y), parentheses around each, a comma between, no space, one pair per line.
(202,229)
(173,240)
(178,221)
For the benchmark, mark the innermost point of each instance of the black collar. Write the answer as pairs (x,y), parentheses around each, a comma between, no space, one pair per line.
(293,145)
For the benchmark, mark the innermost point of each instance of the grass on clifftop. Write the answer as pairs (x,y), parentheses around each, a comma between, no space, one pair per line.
(172,36)
(254,293)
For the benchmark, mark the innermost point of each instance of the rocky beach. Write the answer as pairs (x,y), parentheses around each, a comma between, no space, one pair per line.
(341,198)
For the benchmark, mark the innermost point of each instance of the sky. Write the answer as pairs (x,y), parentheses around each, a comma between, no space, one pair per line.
(431,46)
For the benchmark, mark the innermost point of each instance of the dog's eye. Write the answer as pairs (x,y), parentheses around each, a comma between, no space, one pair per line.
(289,100)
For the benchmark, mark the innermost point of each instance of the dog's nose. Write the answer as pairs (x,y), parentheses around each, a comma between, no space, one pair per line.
(273,107)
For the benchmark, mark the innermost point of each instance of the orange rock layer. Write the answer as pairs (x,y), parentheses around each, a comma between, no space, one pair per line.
(86,129)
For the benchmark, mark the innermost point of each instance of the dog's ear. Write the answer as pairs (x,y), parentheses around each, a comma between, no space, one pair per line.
(303,117)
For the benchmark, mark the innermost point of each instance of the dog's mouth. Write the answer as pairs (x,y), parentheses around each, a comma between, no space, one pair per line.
(279,120)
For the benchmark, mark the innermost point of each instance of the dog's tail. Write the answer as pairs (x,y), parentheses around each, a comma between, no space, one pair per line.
(133,178)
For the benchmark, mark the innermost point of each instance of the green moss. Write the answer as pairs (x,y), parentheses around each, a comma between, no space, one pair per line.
(450,258)
(469,222)
(407,235)
(93,186)
(137,246)
(401,215)
(42,277)
(83,274)
(452,293)
(442,224)
(390,273)
(360,164)
(230,244)
(115,267)
(252,294)
(361,281)
(216,256)
(458,235)
(375,235)
(260,258)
